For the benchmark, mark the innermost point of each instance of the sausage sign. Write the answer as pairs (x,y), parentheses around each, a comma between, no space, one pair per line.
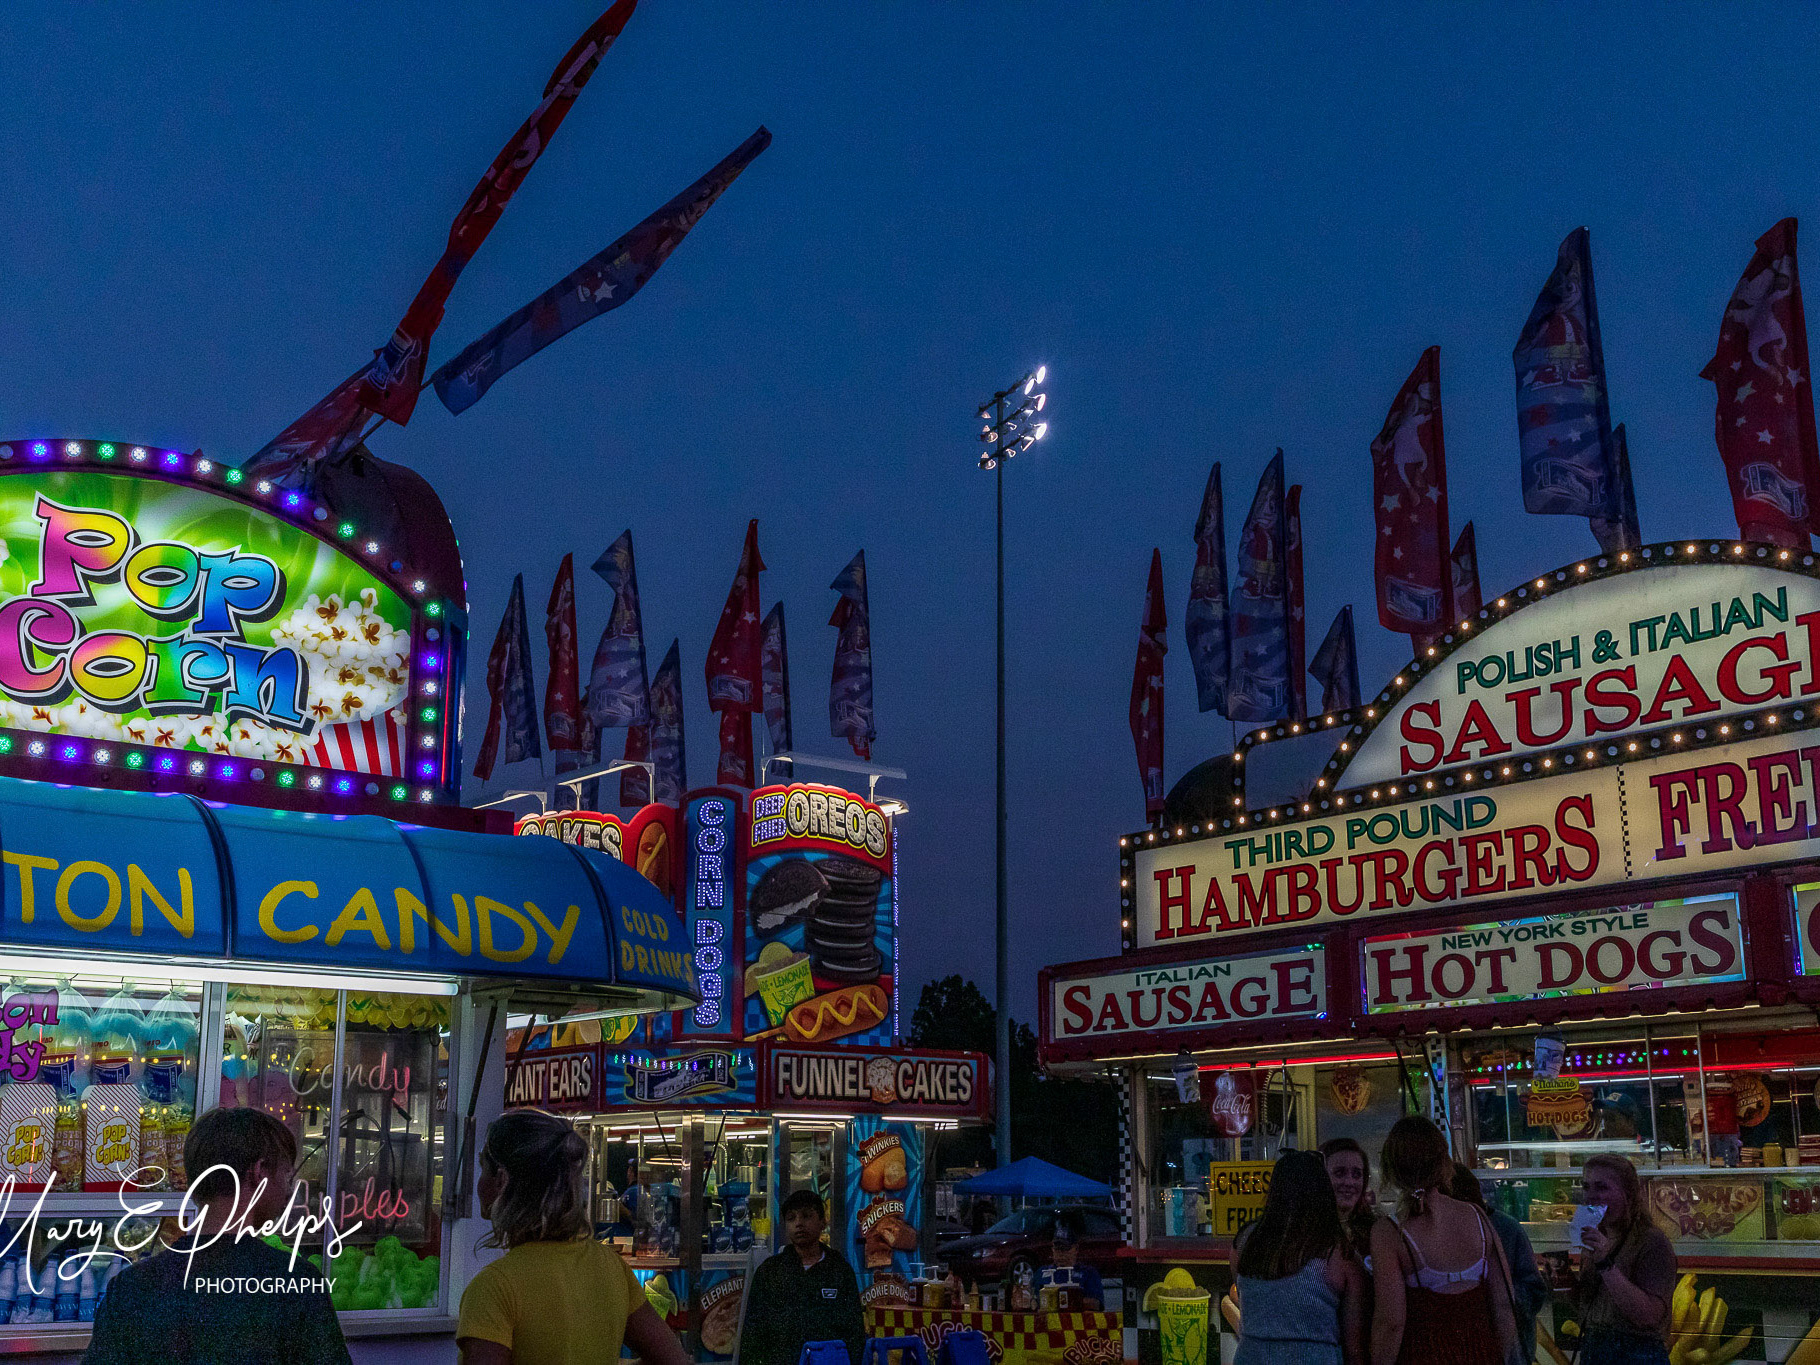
(1191,995)
(1646,648)
(1632,947)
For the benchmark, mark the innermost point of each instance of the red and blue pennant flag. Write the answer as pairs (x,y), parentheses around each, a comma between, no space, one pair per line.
(387,386)
(1336,665)
(662,740)
(1467,599)
(1147,690)
(1207,622)
(571,737)
(735,666)
(511,703)
(774,661)
(597,286)
(619,689)
(1764,422)
(850,688)
(1569,460)
(1297,611)
(1622,532)
(1258,688)
(1409,504)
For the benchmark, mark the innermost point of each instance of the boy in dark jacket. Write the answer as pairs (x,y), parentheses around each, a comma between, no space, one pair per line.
(807,1292)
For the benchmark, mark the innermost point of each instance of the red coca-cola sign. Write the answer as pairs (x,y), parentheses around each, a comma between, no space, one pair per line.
(1231,1103)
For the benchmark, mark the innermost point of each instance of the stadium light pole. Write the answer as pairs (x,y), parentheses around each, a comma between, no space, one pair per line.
(1012,424)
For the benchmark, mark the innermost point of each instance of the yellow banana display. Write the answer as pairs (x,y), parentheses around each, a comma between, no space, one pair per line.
(1808,1352)
(1697,1329)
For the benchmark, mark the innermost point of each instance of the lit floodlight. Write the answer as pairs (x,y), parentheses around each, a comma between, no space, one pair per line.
(1041,399)
(1041,429)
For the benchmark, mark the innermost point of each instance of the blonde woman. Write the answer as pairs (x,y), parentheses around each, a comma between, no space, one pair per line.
(557,1296)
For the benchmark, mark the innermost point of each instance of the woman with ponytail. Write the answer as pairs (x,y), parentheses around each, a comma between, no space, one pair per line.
(1443,1289)
(557,1295)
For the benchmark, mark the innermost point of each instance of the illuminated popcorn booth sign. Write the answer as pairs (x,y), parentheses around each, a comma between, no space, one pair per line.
(169,616)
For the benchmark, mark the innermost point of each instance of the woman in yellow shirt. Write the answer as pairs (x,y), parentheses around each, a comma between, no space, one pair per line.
(557,1297)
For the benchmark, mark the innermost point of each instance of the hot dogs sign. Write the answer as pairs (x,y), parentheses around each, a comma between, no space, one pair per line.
(821,916)
(154,614)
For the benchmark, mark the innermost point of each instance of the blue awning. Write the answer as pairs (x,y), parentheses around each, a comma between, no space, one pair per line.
(1032,1177)
(92,871)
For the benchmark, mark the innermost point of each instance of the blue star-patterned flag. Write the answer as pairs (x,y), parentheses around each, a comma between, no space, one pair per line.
(512,705)
(666,730)
(850,689)
(1207,622)
(1259,685)
(597,286)
(1563,415)
(774,665)
(618,688)
(1336,665)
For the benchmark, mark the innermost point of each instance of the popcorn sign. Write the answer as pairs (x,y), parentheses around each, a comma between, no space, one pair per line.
(155,614)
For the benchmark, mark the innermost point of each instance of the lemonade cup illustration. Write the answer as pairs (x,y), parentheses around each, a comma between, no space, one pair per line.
(781,979)
(1181,1314)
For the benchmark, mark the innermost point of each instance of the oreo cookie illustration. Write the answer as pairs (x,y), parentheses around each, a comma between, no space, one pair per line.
(840,930)
(786,893)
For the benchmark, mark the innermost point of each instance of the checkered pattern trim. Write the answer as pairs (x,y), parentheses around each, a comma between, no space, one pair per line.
(1078,1338)
(1125,1197)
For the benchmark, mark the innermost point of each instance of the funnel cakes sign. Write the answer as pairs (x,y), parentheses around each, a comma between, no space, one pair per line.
(151,621)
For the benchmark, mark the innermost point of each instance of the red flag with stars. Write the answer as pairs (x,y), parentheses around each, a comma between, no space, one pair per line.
(1147,691)
(1764,421)
(1298,615)
(1409,501)
(735,667)
(571,737)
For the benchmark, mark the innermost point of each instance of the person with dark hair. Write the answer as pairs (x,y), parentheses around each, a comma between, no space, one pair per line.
(1064,1270)
(557,1297)
(1627,1271)
(220,1293)
(807,1292)
(1350,1172)
(1442,1288)
(1529,1291)
(1301,1294)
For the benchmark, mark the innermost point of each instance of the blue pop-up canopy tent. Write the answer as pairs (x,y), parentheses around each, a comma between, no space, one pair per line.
(1034,1178)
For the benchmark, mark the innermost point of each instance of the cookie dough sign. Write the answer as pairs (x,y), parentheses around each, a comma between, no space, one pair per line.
(820,917)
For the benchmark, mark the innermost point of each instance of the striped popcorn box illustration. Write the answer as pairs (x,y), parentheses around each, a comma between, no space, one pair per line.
(362,746)
(28,1124)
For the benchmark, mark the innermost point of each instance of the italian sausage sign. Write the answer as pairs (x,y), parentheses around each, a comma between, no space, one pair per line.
(1646,648)
(1627,948)
(1191,995)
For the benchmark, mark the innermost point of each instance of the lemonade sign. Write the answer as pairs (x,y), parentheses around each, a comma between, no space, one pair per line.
(152,613)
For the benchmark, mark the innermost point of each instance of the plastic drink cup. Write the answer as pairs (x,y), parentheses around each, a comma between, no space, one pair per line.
(788,983)
(1182,1320)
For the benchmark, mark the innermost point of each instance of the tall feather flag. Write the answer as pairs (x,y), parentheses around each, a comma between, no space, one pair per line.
(1147,690)
(1467,599)
(1208,622)
(1764,421)
(664,745)
(387,386)
(850,688)
(1621,533)
(1336,664)
(1297,613)
(735,667)
(618,687)
(1258,688)
(774,663)
(598,285)
(511,702)
(1569,459)
(564,725)
(1409,504)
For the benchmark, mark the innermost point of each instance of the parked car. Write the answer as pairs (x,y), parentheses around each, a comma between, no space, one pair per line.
(1024,1238)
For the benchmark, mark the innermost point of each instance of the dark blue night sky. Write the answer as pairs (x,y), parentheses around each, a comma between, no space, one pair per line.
(1223,230)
